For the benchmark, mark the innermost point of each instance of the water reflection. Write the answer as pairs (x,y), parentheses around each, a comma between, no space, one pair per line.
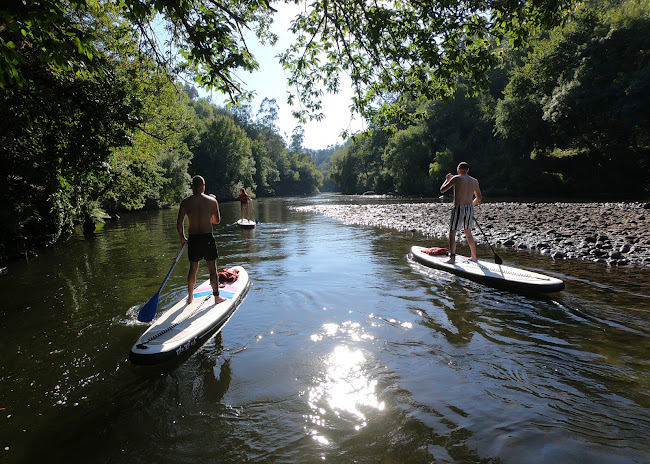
(389,362)
(217,381)
(344,390)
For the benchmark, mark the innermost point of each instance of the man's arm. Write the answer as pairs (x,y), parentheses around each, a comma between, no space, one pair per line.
(180,223)
(216,215)
(448,183)
(477,194)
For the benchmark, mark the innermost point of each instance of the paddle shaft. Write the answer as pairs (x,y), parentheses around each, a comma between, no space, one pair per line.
(497,258)
(149,309)
(254,215)
(172,268)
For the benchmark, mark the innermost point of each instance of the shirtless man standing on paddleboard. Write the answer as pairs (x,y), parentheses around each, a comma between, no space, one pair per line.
(202,211)
(467,194)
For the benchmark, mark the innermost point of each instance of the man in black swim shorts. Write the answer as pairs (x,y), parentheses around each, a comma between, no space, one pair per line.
(202,211)
(201,246)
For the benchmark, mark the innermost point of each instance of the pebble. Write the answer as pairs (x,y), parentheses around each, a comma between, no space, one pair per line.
(617,234)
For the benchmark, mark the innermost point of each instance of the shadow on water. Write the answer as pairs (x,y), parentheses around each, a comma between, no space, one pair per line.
(141,411)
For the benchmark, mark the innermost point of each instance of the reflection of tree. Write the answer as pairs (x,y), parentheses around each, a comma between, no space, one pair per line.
(458,312)
(216,384)
(460,317)
(405,438)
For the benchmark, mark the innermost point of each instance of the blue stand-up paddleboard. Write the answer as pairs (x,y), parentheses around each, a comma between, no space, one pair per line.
(495,275)
(185,327)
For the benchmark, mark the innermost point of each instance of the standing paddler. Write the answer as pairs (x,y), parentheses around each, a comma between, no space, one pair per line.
(467,194)
(202,211)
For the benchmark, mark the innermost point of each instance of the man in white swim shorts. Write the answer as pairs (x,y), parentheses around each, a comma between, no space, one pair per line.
(467,194)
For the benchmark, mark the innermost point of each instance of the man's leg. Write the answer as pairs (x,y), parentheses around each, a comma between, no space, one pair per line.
(191,280)
(452,247)
(472,244)
(214,281)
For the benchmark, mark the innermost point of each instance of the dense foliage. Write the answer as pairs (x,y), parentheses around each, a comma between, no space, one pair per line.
(201,37)
(569,116)
(397,52)
(390,50)
(112,132)
(55,146)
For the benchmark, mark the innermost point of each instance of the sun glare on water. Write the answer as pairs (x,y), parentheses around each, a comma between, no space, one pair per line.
(344,391)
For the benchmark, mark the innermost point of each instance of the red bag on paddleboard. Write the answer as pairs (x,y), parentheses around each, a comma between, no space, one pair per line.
(228,275)
(435,251)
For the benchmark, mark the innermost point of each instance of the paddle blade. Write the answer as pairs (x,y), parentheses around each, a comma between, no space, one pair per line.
(497,259)
(149,309)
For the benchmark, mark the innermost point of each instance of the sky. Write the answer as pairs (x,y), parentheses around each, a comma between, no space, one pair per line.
(270,81)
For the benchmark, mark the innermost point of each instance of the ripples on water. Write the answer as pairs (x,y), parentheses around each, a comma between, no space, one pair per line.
(344,350)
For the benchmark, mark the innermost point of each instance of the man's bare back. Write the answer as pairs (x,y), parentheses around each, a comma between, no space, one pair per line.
(465,188)
(202,211)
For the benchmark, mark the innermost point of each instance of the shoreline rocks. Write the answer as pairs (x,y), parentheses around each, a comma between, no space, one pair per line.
(617,234)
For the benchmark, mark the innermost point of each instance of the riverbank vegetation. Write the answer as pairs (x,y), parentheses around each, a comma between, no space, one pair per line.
(98,117)
(564,116)
(104,128)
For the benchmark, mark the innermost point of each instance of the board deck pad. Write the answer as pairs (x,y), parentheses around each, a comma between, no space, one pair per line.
(186,326)
(490,273)
(204,290)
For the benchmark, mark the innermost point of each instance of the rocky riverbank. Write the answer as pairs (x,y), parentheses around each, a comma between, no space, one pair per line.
(617,234)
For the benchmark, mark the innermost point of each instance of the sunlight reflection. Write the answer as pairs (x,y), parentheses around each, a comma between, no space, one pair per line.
(344,390)
(353,329)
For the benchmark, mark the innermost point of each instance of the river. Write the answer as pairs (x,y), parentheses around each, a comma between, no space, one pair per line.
(343,351)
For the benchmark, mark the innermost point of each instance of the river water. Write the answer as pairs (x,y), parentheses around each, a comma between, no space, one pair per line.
(343,351)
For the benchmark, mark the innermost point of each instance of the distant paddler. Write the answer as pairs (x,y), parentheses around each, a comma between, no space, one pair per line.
(245,199)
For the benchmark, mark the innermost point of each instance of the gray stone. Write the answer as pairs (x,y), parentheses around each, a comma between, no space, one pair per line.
(599,231)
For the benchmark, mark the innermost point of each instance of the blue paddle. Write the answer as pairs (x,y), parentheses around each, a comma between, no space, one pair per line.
(149,309)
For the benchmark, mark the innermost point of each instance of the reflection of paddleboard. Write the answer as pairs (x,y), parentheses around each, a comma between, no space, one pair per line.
(495,275)
(246,223)
(186,327)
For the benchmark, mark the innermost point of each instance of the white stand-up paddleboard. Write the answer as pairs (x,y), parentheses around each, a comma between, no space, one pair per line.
(246,223)
(187,326)
(488,273)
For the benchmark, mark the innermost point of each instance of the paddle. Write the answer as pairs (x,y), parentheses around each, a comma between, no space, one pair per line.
(497,258)
(254,216)
(149,309)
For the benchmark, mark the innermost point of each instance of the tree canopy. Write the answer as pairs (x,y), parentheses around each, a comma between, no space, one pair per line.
(556,119)
(393,51)
(397,52)
(203,38)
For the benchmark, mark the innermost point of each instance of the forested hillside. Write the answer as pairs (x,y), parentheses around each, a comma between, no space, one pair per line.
(567,115)
(137,150)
